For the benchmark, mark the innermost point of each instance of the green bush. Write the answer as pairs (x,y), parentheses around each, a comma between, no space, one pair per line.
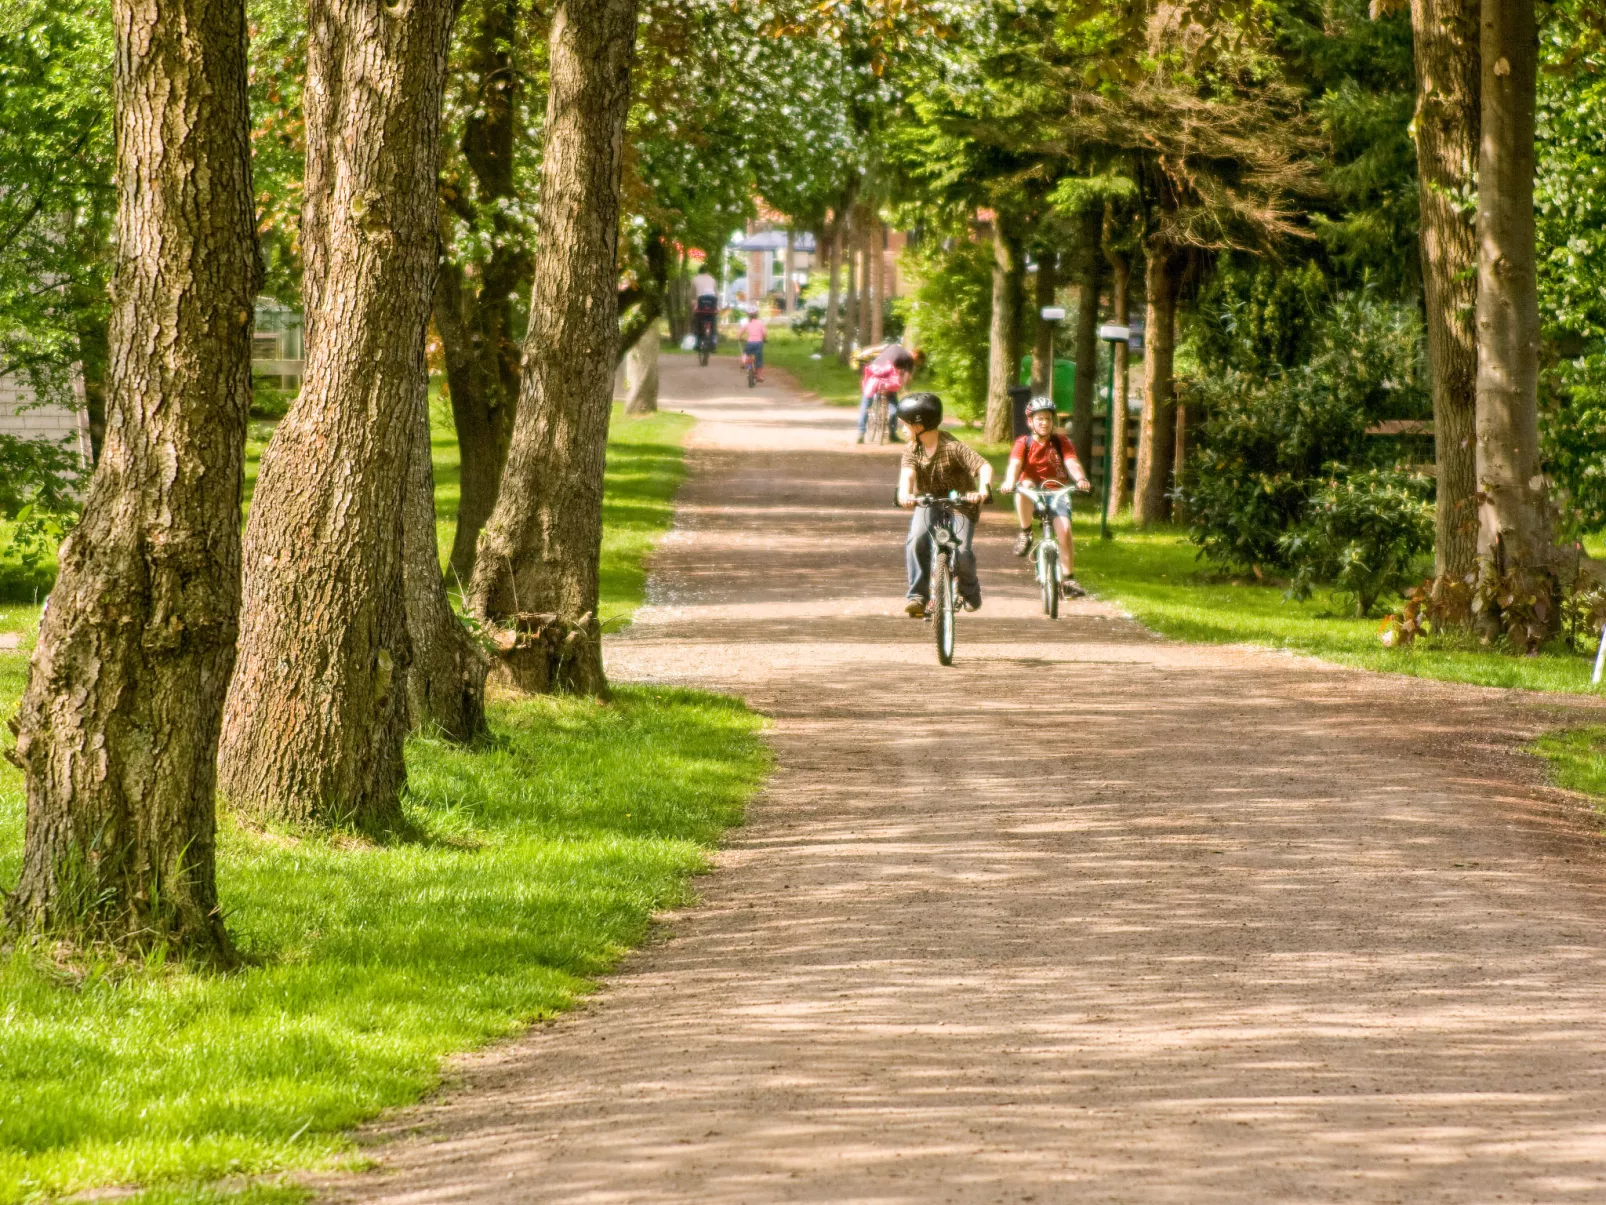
(38,480)
(1270,442)
(1361,532)
(950,309)
(1572,431)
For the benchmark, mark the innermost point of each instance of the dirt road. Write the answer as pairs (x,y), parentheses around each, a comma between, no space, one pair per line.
(1089,917)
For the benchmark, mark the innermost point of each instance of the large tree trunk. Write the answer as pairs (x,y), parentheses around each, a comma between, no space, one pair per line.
(1046,285)
(833,295)
(475,317)
(1156,434)
(1515,526)
(446,681)
(1004,333)
(1087,331)
(539,552)
(118,729)
(642,373)
(1447,120)
(317,711)
(1121,277)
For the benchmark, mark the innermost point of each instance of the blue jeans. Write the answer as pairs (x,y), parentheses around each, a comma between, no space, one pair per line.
(865,400)
(756,350)
(917,556)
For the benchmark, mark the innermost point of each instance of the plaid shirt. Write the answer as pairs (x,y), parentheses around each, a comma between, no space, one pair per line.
(951,465)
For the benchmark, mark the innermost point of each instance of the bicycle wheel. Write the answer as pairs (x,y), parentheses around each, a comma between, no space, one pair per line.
(942,598)
(1048,572)
(752,374)
(702,354)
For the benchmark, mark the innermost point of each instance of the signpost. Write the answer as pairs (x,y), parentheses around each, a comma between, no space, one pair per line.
(1112,335)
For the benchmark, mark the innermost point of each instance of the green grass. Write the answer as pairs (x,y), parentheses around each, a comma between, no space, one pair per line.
(833,384)
(1577,760)
(539,859)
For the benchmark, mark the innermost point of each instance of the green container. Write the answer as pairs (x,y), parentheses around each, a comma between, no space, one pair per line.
(1064,381)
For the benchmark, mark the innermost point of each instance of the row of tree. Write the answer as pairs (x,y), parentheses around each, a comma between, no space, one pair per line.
(403,180)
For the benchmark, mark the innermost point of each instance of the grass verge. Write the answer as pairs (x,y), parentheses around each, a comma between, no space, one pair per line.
(832,383)
(1577,758)
(539,860)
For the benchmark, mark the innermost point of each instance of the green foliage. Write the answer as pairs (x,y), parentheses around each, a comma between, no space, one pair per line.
(1573,437)
(950,309)
(1257,316)
(1363,532)
(55,188)
(37,484)
(1269,443)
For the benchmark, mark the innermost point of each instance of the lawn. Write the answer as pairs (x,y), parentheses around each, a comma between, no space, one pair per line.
(831,382)
(538,860)
(1577,760)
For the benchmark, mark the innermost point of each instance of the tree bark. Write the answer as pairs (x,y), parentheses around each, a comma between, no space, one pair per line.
(642,373)
(1004,332)
(867,294)
(446,681)
(1156,437)
(317,711)
(1515,524)
(1121,276)
(833,258)
(1046,285)
(475,316)
(849,333)
(1087,331)
(791,278)
(1447,121)
(118,729)
(540,550)
(878,283)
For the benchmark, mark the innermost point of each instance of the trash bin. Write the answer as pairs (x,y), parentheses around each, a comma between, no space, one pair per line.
(1019,395)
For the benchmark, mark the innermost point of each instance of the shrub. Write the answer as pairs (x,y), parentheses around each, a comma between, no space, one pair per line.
(38,480)
(1270,443)
(1361,532)
(950,310)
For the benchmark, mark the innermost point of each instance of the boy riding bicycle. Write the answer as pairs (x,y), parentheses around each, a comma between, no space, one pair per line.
(936,463)
(1046,460)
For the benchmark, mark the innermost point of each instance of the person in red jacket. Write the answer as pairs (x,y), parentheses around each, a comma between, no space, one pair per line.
(1045,458)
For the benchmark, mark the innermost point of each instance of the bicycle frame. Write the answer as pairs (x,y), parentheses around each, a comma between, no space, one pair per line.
(1046,556)
(944,581)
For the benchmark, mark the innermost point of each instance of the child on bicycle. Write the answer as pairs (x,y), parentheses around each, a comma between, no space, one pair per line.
(1045,459)
(937,463)
(754,332)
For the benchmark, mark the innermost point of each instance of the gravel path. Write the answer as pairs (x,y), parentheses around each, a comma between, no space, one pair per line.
(1089,917)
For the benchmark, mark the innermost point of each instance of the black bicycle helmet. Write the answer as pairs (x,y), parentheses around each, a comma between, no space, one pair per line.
(1039,403)
(922,408)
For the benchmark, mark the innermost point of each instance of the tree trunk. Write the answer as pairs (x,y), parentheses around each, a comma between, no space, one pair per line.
(1121,275)
(1514,527)
(791,278)
(476,317)
(677,304)
(1447,120)
(1047,284)
(446,681)
(1156,433)
(833,258)
(540,550)
(1179,460)
(1003,344)
(878,283)
(867,295)
(1087,332)
(642,373)
(117,733)
(317,711)
(849,334)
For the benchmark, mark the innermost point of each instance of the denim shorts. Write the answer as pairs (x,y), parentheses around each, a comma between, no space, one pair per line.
(1060,504)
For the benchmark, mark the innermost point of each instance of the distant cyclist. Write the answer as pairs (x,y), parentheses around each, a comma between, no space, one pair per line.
(936,463)
(705,313)
(754,332)
(1045,458)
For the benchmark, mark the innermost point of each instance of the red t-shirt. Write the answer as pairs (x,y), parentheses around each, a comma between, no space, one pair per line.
(1039,462)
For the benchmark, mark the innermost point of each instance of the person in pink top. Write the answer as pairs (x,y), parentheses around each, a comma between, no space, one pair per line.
(754,332)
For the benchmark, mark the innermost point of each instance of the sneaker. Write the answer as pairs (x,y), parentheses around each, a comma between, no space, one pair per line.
(1023,542)
(915,608)
(1070,589)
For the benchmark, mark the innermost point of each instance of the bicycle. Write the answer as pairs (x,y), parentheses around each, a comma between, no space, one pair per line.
(1046,554)
(751,364)
(707,322)
(944,580)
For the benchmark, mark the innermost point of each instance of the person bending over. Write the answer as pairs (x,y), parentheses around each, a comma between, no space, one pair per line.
(937,463)
(887,374)
(1045,459)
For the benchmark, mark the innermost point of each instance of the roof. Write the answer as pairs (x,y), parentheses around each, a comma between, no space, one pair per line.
(775,240)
